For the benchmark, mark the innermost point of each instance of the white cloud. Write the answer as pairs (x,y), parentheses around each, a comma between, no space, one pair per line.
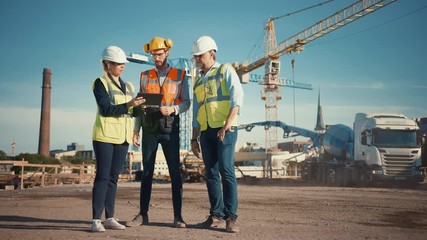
(377,85)
(372,85)
(419,86)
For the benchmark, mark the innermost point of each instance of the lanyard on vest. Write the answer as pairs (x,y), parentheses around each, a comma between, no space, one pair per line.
(162,76)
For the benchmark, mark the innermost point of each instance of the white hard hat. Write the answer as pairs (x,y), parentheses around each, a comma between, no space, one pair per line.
(114,54)
(204,44)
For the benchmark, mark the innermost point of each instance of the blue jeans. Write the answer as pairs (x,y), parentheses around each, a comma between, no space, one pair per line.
(218,157)
(109,161)
(170,146)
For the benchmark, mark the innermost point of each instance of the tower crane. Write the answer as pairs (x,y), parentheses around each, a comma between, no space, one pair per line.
(273,51)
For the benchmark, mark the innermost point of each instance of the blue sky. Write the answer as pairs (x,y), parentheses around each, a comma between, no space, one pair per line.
(376,64)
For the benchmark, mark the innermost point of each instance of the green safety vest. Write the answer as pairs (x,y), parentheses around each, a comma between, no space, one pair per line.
(213,98)
(114,129)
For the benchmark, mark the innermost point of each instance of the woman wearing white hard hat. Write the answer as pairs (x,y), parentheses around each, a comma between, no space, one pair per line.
(112,133)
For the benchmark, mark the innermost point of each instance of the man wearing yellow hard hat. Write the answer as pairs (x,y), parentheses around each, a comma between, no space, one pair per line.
(160,125)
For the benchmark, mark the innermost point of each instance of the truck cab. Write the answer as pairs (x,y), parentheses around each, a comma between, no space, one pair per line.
(388,145)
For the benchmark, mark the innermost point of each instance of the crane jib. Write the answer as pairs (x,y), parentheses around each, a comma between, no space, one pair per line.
(295,43)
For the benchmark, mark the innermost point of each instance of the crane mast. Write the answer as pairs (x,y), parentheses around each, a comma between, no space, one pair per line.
(274,50)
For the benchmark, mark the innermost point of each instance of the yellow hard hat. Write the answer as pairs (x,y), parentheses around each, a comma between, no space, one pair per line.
(158,43)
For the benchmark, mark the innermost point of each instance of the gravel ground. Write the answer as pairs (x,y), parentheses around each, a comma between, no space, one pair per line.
(267,210)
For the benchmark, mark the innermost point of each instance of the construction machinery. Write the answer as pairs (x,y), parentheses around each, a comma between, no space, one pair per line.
(192,168)
(273,51)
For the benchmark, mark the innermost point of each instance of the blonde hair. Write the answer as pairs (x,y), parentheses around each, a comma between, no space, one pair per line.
(104,67)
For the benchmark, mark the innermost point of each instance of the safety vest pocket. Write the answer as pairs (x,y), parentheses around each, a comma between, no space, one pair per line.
(218,111)
(200,95)
(201,117)
(113,128)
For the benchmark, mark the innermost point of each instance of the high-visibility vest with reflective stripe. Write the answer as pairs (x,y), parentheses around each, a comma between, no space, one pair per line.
(153,121)
(114,129)
(213,98)
(171,87)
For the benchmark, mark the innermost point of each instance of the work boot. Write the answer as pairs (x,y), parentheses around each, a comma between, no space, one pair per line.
(178,222)
(97,226)
(231,226)
(112,223)
(138,220)
(213,222)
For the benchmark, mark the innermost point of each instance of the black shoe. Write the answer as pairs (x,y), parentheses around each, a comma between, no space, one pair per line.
(213,222)
(138,220)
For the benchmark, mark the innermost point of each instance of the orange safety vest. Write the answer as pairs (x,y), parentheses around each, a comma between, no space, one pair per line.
(171,88)
(153,121)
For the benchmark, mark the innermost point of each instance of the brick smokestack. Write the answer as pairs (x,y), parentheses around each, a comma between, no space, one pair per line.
(44,136)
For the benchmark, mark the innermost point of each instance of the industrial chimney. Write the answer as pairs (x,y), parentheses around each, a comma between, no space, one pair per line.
(44,136)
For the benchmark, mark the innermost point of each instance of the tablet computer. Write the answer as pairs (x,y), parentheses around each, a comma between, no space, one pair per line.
(151,99)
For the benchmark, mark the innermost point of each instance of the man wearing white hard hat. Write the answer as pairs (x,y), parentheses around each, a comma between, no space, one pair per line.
(218,97)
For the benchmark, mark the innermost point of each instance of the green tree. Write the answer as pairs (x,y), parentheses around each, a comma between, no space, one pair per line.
(35,159)
(3,155)
(78,160)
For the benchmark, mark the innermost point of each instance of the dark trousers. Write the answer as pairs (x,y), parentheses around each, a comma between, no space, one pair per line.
(170,146)
(218,157)
(109,161)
